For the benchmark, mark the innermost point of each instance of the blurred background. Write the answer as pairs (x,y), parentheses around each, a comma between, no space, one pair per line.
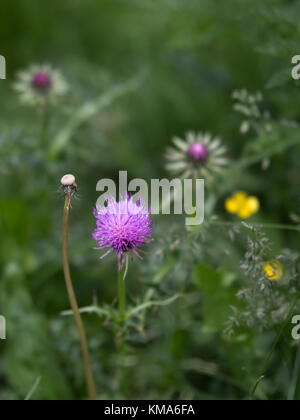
(149,70)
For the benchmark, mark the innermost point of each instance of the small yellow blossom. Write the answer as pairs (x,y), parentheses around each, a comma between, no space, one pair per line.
(240,197)
(273,270)
(231,205)
(253,204)
(245,211)
(242,205)
(234,203)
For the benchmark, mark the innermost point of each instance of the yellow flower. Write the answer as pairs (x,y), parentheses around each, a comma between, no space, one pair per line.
(242,205)
(273,270)
(253,204)
(231,205)
(234,203)
(245,211)
(240,197)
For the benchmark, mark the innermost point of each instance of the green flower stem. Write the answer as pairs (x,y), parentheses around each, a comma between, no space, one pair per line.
(121,333)
(122,291)
(74,305)
(45,123)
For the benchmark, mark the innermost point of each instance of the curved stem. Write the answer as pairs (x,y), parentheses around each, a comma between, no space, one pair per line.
(74,305)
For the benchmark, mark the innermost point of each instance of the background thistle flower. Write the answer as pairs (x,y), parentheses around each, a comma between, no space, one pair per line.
(122,227)
(41,80)
(199,155)
(40,84)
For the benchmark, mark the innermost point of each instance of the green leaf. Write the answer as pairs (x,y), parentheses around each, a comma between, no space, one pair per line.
(152,303)
(89,310)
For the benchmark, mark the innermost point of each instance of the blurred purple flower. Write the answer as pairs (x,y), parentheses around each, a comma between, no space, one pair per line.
(41,80)
(40,85)
(198,151)
(122,227)
(199,155)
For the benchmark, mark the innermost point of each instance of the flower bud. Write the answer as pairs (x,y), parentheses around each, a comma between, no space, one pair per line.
(68,181)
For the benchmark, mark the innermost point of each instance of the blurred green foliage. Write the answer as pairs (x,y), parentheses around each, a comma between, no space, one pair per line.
(141,71)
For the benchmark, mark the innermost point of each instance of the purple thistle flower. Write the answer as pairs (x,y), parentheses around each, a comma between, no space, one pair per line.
(40,85)
(122,227)
(41,80)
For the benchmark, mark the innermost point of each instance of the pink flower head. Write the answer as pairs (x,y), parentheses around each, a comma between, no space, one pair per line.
(41,80)
(198,151)
(122,227)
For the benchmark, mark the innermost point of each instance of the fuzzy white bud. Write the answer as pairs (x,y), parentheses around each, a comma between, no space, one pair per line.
(68,180)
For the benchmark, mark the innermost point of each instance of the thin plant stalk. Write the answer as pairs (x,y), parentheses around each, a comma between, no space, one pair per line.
(122,319)
(33,389)
(45,119)
(262,225)
(122,290)
(74,305)
(295,378)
